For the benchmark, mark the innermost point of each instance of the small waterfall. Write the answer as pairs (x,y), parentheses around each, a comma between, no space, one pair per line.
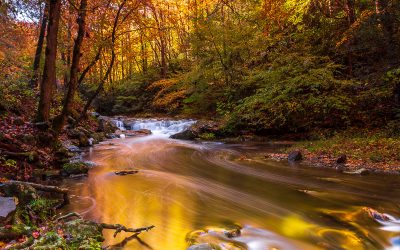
(162,127)
(119,124)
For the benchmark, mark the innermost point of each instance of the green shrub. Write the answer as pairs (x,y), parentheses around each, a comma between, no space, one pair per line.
(298,92)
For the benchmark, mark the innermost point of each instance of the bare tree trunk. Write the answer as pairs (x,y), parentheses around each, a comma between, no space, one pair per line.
(91,64)
(73,80)
(49,71)
(39,48)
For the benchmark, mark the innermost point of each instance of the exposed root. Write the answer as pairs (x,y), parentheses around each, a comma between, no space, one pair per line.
(67,216)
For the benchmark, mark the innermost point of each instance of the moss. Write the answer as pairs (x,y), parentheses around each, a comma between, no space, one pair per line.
(43,208)
(84,234)
(207,136)
(75,168)
(50,241)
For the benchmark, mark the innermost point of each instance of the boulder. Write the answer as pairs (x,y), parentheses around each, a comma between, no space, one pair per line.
(341,159)
(201,129)
(7,208)
(185,135)
(106,126)
(295,156)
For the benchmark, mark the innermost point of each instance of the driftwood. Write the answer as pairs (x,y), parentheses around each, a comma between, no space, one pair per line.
(51,189)
(126,172)
(119,228)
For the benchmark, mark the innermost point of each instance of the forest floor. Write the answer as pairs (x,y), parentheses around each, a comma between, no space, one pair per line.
(350,150)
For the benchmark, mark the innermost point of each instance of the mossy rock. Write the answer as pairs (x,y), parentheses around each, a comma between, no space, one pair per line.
(75,168)
(49,241)
(83,234)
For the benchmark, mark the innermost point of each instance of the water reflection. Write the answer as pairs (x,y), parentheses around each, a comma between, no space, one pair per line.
(187,187)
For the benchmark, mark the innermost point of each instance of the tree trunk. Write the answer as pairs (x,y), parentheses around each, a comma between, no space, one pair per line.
(351,18)
(49,71)
(73,80)
(39,48)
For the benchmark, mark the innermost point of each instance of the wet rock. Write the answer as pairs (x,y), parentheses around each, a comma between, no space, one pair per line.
(185,135)
(341,159)
(7,208)
(98,137)
(232,233)
(340,168)
(203,246)
(77,176)
(73,148)
(140,132)
(111,136)
(295,156)
(74,168)
(91,141)
(361,171)
(95,114)
(126,172)
(90,164)
(106,126)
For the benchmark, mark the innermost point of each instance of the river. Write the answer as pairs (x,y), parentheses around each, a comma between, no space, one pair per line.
(183,187)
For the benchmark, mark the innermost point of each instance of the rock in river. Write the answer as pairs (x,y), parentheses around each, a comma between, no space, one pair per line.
(341,159)
(203,246)
(126,172)
(295,156)
(361,171)
(185,135)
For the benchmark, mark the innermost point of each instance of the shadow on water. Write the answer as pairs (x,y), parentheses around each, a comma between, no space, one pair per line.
(193,191)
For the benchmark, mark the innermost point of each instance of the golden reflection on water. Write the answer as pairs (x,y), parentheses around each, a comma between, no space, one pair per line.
(185,187)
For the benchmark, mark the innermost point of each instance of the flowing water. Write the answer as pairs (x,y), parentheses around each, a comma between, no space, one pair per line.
(185,187)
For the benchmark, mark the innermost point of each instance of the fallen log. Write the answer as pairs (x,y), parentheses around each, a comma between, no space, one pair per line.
(45,188)
(119,228)
(30,156)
